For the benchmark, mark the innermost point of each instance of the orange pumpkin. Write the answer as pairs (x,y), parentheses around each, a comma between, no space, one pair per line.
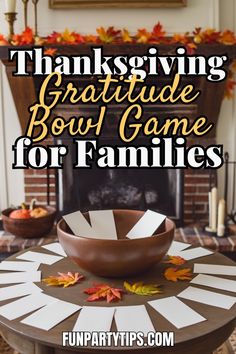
(20,214)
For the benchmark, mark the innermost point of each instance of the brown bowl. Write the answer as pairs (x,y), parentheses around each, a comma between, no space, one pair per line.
(117,258)
(29,228)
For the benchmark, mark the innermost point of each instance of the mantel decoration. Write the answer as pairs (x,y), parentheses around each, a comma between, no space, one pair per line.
(111,35)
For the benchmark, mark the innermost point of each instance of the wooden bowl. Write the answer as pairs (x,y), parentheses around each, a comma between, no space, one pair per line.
(29,228)
(117,258)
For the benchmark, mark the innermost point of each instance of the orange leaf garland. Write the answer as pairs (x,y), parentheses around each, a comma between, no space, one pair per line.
(176,260)
(63,279)
(126,38)
(50,51)
(103,292)
(143,36)
(175,274)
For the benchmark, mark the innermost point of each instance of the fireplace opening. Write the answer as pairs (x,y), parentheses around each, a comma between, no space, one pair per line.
(98,188)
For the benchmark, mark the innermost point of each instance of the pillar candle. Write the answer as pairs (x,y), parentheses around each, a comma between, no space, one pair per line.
(214,209)
(10,5)
(221,218)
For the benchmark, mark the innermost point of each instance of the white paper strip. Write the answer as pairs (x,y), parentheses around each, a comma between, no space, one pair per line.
(215,282)
(79,225)
(14,291)
(133,319)
(20,277)
(39,257)
(208,297)
(51,315)
(24,306)
(56,248)
(177,246)
(94,319)
(176,312)
(19,266)
(194,253)
(214,269)
(146,225)
(103,224)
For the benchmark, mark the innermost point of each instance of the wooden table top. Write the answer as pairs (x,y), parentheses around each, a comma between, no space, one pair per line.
(208,334)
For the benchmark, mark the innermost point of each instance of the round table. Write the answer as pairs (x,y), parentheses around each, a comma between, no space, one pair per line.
(196,339)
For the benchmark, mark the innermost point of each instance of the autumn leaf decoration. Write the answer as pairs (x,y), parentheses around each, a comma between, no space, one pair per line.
(175,274)
(103,292)
(176,260)
(63,279)
(142,289)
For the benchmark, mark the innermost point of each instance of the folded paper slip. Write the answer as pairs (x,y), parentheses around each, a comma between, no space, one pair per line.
(215,282)
(94,319)
(13,291)
(214,269)
(133,319)
(40,257)
(176,312)
(19,266)
(51,315)
(147,225)
(208,297)
(25,305)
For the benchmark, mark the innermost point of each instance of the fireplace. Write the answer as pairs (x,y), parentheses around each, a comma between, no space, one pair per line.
(95,188)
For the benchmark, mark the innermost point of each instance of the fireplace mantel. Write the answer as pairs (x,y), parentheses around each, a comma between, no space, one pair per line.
(209,103)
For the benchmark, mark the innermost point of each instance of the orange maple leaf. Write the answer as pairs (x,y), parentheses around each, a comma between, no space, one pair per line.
(143,36)
(176,260)
(227,37)
(50,51)
(103,292)
(90,38)
(126,38)
(175,274)
(157,33)
(63,279)
(3,40)
(108,35)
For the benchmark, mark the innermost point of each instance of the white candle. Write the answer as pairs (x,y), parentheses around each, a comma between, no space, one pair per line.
(10,5)
(214,209)
(210,208)
(221,218)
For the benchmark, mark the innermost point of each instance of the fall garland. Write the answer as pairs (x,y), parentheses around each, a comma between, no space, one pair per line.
(111,35)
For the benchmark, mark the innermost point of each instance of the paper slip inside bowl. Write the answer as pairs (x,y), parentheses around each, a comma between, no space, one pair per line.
(133,319)
(215,282)
(208,297)
(25,305)
(103,223)
(147,225)
(13,291)
(39,257)
(51,315)
(176,312)
(79,225)
(94,319)
(19,266)
(214,269)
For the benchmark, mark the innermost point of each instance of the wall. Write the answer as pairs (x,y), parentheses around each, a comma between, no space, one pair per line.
(198,13)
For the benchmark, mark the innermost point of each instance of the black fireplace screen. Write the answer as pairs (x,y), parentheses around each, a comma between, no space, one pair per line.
(95,188)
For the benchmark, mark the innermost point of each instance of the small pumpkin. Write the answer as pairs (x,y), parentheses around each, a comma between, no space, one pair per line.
(38,212)
(22,213)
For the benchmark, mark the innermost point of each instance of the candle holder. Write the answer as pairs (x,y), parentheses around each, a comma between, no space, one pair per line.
(35,3)
(10,17)
(25,2)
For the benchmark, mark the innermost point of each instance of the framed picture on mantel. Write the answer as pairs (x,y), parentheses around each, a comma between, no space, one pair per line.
(73,4)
